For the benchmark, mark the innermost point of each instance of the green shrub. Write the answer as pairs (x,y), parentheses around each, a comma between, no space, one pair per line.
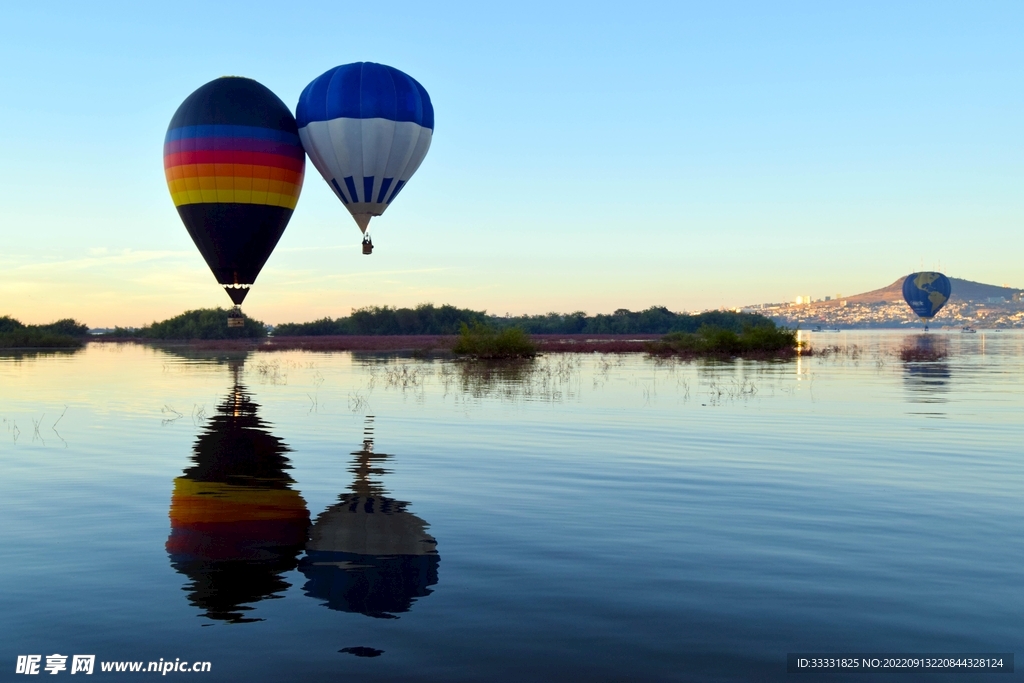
(9,324)
(485,342)
(67,326)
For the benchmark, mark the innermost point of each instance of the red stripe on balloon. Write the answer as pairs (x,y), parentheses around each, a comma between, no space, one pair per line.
(226,156)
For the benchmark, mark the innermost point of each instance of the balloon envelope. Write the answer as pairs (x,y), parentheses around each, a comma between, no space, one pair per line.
(234,166)
(926,292)
(366,128)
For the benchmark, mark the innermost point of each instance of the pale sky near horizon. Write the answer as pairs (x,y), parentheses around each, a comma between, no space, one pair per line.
(586,156)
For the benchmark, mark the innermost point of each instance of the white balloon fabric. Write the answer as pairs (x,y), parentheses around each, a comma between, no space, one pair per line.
(366,127)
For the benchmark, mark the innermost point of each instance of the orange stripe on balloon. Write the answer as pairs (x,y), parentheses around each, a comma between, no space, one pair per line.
(237,170)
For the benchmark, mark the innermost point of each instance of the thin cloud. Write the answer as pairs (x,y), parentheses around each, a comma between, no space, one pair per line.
(127,256)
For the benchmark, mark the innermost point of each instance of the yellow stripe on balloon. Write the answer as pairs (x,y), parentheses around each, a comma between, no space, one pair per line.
(286,200)
(233,183)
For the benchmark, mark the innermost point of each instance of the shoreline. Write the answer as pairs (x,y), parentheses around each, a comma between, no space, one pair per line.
(546,343)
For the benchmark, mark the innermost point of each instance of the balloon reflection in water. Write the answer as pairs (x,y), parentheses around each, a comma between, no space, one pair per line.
(367,553)
(926,374)
(236,523)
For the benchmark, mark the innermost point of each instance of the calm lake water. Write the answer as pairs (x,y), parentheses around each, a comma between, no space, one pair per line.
(309,516)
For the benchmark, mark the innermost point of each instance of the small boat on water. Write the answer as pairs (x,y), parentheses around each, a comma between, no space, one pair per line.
(819,328)
(968,330)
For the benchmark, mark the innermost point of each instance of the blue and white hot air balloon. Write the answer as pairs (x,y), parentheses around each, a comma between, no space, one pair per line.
(366,127)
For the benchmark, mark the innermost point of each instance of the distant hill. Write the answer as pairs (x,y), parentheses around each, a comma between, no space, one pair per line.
(963,290)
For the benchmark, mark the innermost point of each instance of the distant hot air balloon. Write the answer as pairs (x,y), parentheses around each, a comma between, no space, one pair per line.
(366,128)
(234,166)
(926,293)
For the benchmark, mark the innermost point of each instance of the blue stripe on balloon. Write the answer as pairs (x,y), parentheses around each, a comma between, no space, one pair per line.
(384,185)
(340,193)
(365,90)
(368,188)
(398,188)
(228,131)
(351,185)
(235,144)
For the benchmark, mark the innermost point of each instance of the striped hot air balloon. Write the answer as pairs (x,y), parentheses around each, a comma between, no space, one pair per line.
(234,166)
(366,127)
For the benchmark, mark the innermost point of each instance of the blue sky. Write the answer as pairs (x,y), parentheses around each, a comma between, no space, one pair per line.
(586,156)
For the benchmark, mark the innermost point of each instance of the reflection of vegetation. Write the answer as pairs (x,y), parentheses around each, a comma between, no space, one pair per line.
(21,353)
(204,323)
(230,357)
(485,342)
(717,341)
(65,333)
(551,379)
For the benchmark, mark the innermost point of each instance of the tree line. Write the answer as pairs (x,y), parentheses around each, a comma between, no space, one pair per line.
(425,319)
(66,333)
(428,319)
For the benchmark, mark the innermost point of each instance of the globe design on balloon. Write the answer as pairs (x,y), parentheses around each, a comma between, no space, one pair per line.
(926,293)
(367,128)
(234,167)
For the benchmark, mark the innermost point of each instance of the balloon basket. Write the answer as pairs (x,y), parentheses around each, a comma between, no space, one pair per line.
(235,318)
(367,248)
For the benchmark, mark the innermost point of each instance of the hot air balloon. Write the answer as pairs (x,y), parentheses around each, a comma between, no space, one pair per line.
(234,166)
(926,293)
(366,127)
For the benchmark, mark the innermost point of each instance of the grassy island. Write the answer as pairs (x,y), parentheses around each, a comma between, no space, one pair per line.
(766,339)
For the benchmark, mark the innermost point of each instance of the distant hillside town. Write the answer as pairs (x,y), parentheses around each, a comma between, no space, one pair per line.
(972,304)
